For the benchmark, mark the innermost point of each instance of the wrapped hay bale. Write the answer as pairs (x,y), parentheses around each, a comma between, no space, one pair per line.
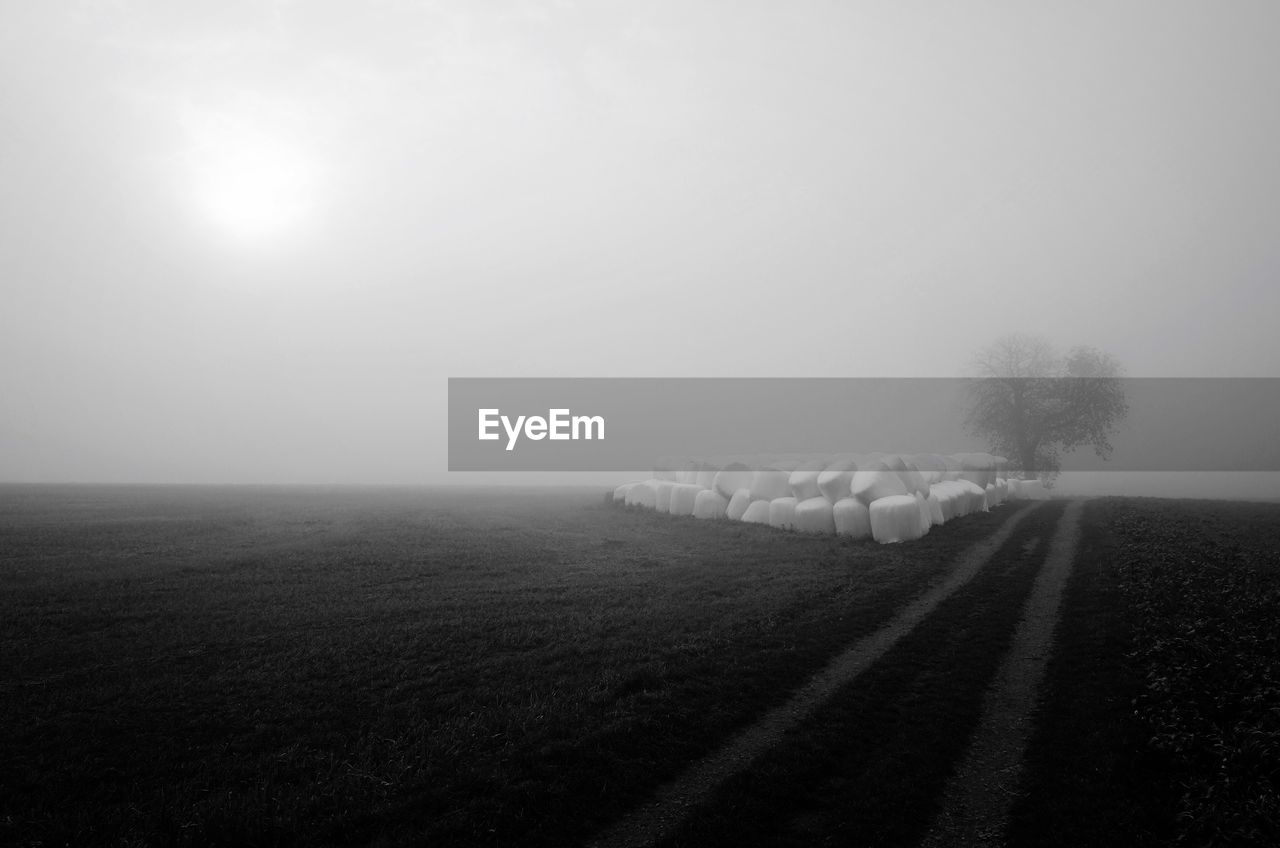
(836,478)
(620,493)
(930,466)
(895,518)
(710,504)
(663,502)
(731,478)
(804,480)
(911,479)
(706,476)
(975,496)
(852,518)
(926,517)
(814,515)
(935,508)
(643,495)
(769,483)
(978,468)
(950,498)
(782,512)
(738,504)
(875,482)
(684,497)
(757,513)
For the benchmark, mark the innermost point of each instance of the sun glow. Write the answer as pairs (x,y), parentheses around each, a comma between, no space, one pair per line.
(250,184)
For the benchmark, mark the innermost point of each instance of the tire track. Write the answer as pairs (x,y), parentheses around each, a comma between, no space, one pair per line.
(979,797)
(653,821)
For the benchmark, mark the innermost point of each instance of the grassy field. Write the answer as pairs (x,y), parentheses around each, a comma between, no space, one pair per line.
(1162,720)
(522,667)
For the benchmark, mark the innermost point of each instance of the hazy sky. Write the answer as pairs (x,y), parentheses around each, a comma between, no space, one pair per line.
(250,241)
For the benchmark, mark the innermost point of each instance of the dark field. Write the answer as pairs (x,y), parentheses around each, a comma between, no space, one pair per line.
(522,667)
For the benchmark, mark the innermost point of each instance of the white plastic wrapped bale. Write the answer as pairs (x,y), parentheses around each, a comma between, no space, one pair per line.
(814,515)
(935,508)
(769,483)
(926,517)
(782,512)
(643,495)
(875,482)
(1011,492)
(961,498)
(911,479)
(804,480)
(620,493)
(930,465)
(895,518)
(710,504)
(731,478)
(663,501)
(979,468)
(945,494)
(836,478)
(706,475)
(684,496)
(738,505)
(852,518)
(976,497)
(757,513)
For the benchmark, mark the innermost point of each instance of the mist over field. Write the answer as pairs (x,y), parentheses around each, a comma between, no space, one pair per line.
(249,242)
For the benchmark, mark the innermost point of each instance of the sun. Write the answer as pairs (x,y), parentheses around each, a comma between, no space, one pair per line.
(250,184)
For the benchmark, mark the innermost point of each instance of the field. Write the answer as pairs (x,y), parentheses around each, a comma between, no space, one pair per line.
(260,666)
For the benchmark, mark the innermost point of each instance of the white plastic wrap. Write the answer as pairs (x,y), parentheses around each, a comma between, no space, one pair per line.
(782,512)
(895,518)
(710,504)
(738,505)
(852,518)
(757,513)
(814,515)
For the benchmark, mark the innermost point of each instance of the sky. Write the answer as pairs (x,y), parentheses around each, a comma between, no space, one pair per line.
(251,241)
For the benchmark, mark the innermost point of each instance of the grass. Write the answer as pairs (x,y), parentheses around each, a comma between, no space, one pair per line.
(1161,718)
(870,767)
(385,666)
(287,666)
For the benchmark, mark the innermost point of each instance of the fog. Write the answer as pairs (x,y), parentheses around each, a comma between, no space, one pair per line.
(249,242)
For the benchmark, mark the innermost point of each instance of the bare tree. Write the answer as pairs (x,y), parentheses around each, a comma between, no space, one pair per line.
(1032,404)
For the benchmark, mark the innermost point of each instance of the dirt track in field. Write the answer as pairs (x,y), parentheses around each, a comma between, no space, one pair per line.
(650,823)
(978,799)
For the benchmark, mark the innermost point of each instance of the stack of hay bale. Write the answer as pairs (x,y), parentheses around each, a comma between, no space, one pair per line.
(887,497)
